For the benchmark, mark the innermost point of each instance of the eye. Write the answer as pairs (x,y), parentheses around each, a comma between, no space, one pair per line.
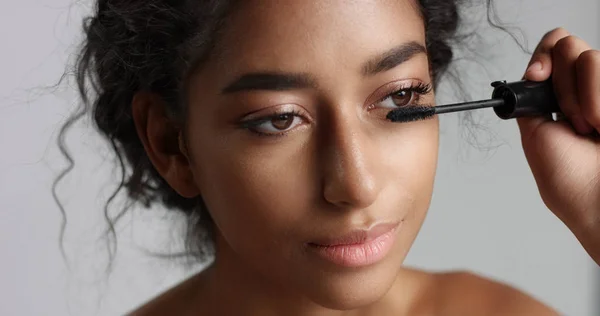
(402,95)
(274,125)
(398,99)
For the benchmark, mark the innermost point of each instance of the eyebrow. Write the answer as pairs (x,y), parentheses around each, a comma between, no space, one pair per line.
(275,81)
(393,58)
(281,81)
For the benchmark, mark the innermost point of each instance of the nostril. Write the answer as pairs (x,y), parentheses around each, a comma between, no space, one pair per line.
(351,192)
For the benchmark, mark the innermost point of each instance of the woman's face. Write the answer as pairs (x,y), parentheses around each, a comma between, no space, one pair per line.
(290,148)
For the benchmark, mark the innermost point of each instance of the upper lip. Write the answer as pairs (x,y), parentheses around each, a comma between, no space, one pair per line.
(358,236)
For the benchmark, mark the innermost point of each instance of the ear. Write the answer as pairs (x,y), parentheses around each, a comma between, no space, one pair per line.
(163,142)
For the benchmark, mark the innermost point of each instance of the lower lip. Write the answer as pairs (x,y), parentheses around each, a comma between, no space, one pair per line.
(358,255)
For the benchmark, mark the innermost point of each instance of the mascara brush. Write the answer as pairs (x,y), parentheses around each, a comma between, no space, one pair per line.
(509,100)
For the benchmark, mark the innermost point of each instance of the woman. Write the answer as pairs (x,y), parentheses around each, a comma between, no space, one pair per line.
(265,122)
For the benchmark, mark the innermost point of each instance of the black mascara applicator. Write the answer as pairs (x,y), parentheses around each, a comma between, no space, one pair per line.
(509,100)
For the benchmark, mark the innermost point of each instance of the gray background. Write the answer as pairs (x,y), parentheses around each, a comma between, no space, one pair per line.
(486,214)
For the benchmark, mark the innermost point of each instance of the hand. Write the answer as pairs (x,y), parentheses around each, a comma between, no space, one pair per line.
(563,156)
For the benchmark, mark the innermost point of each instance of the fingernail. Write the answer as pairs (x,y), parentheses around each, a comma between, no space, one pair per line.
(581,125)
(536,66)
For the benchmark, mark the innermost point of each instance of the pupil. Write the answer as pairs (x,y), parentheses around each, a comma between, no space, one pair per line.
(282,121)
(402,98)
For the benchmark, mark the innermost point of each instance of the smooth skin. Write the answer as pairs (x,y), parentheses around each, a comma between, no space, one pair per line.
(339,165)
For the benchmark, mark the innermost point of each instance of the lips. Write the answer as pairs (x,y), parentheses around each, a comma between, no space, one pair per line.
(357,236)
(357,248)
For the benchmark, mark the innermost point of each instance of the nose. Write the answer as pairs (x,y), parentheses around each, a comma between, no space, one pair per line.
(349,168)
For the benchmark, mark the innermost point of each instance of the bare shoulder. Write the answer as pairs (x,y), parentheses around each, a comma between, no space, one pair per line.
(466,293)
(174,301)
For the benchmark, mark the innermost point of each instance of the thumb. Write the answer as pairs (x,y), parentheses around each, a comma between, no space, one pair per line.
(529,125)
(540,69)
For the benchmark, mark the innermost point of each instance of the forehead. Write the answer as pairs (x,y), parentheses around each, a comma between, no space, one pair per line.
(304,35)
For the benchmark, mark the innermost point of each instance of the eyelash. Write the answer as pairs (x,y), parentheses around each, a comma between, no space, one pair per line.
(418,88)
(251,124)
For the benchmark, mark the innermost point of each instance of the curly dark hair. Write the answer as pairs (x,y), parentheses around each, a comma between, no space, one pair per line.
(153,45)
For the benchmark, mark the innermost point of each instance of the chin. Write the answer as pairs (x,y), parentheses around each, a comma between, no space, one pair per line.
(352,290)
(340,288)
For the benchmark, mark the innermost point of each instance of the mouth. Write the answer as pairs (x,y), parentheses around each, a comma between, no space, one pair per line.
(358,248)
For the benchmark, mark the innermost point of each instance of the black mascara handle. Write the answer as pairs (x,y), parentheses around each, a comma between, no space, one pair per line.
(525,98)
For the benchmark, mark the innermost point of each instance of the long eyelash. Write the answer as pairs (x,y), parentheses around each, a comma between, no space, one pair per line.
(420,88)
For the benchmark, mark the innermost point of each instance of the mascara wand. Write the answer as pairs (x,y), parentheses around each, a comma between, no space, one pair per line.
(509,100)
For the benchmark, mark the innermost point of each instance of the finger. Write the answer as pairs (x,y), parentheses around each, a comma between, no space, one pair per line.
(540,65)
(564,57)
(540,69)
(588,82)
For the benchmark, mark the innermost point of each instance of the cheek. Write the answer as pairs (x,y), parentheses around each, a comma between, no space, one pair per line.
(413,153)
(253,192)
(411,167)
